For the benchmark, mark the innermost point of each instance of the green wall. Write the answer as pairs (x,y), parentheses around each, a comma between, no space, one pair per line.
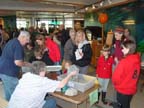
(9,22)
(133,11)
(91,19)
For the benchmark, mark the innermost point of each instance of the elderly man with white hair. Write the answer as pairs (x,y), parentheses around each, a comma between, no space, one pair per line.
(10,62)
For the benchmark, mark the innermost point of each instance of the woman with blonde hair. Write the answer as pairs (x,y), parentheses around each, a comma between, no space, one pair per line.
(82,52)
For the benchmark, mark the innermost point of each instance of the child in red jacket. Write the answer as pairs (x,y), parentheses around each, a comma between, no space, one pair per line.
(104,71)
(126,74)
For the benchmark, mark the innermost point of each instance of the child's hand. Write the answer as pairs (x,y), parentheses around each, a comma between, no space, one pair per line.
(38,57)
(46,49)
(96,75)
(114,45)
(116,59)
(142,63)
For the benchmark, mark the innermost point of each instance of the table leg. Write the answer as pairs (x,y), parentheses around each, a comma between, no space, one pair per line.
(86,102)
(76,105)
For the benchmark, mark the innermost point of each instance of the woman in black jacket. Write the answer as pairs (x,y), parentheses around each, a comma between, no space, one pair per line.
(82,52)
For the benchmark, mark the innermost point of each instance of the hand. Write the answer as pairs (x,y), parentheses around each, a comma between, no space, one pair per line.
(116,59)
(114,45)
(81,53)
(142,63)
(96,75)
(73,73)
(38,57)
(46,49)
(27,64)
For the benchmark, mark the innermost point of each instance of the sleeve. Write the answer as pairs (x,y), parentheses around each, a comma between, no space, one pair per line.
(73,58)
(87,52)
(51,85)
(98,66)
(58,54)
(18,52)
(116,77)
(47,59)
(1,40)
(67,49)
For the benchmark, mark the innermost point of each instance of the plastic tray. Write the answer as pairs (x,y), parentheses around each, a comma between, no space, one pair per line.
(88,83)
(26,69)
(53,68)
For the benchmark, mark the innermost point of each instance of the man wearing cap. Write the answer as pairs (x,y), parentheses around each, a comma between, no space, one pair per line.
(10,62)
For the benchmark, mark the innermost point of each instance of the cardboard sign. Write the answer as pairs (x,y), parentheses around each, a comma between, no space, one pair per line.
(93,97)
(109,38)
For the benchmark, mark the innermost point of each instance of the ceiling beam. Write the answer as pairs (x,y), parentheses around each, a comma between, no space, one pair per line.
(69,3)
(115,4)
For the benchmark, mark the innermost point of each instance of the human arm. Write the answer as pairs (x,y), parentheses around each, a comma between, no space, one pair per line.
(18,55)
(56,40)
(117,75)
(21,63)
(1,40)
(98,66)
(87,52)
(68,49)
(65,80)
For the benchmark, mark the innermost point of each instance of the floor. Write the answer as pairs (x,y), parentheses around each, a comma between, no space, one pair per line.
(137,101)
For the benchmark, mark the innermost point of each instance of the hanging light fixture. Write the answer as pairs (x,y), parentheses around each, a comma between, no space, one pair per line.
(110,1)
(93,6)
(102,3)
(86,8)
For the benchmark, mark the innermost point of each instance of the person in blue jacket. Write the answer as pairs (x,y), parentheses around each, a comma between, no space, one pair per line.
(11,60)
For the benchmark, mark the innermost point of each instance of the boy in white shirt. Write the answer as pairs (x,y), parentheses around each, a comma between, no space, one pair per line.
(33,87)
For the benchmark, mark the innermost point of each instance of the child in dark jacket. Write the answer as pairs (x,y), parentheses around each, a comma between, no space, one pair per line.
(104,71)
(41,56)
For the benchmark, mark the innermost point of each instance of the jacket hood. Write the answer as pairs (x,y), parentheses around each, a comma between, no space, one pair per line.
(135,58)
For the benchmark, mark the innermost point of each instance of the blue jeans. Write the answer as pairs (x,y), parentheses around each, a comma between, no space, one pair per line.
(9,84)
(50,103)
(104,84)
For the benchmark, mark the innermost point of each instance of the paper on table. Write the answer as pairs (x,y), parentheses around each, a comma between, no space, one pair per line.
(93,97)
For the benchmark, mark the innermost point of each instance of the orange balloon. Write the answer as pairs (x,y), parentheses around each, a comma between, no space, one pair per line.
(103,18)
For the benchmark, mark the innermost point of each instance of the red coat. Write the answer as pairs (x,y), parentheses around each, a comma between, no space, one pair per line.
(104,67)
(126,74)
(53,50)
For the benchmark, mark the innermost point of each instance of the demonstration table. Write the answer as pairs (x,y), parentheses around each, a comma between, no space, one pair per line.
(78,99)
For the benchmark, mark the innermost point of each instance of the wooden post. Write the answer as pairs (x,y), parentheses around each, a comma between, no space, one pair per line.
(102,34)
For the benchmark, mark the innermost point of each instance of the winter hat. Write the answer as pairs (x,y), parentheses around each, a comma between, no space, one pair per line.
(119,29)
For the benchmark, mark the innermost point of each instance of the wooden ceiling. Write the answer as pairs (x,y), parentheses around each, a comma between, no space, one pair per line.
(26,8)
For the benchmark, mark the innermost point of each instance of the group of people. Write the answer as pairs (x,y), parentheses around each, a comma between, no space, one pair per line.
(45,52)
(119,62)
